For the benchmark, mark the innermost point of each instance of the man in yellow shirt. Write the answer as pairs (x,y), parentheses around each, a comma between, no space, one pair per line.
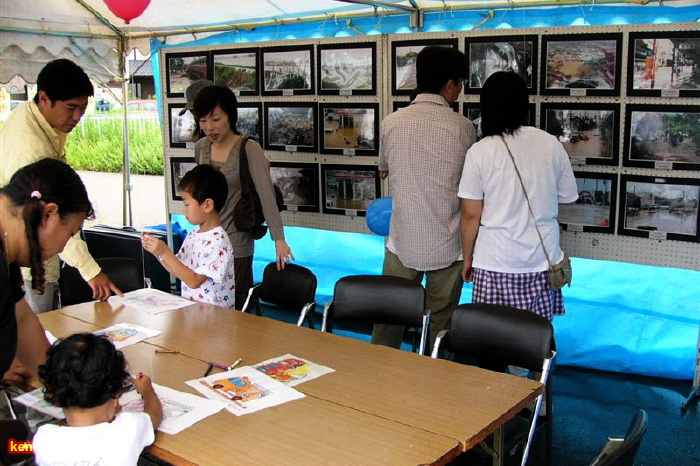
(38,129)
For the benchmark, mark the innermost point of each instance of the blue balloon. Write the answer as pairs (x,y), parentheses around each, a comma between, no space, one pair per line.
(379,216)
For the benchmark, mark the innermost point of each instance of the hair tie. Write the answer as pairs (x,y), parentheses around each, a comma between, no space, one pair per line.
(35,195)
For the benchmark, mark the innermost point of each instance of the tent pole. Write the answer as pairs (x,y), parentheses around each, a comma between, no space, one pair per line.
(126,170)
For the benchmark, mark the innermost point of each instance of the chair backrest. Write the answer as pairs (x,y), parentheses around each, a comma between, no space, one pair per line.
(126,273)
(290,288)
(378,299)
(500,335)
(624,452)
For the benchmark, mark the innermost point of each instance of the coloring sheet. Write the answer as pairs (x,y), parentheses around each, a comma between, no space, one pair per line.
(291,370)
(127,334)
(180,409)
(150,301)
(35,400)
(245,390)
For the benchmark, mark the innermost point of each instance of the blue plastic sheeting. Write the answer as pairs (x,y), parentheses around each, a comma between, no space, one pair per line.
(620,317)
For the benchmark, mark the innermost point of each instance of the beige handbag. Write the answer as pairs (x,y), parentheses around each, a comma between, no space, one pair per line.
(559,274)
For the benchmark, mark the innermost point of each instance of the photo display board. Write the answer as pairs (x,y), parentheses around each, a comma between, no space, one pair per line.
(624,102)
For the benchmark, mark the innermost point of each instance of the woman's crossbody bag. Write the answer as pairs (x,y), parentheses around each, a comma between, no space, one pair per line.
(559,274)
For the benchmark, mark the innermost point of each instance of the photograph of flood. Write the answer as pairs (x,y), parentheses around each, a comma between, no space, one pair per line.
(182,127)
(298,183)
(592,208)
(352,189)
(248,123)
(346,69)
(237,71)
(290,126)
(348,128)
(588,64)
(183,71)
(669,208)
(287,70)
(405,66)
(485,58)
(667,63)
(665,136)
(584,133)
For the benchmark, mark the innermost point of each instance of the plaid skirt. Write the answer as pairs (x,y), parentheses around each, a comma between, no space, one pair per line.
(529,291)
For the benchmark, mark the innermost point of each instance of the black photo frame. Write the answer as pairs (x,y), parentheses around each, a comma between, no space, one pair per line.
(662,136)
(472,110)
(291,126)
(178,167)
(588,132)
(659,208)
(237,69)
(184,68)
(595,209)
(347,69)
(581,64)
(250,120)
(403,62)
(183,129)
(349,128)
(299,185)
(663,64)
(486,55)
(349,189)
(287,70)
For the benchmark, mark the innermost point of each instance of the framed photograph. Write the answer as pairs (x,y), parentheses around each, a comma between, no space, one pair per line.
(472,110)
(183,127)
(588,132)
(349,129)
(486,55)
(288,70)
(405,103)
(291,126)
(298,183)
(581,64)
(662,137)
(403,59)
(249,121)
(659,208)
(594,211)
(347,69)
(664,64)
(178,167)
(349,189)
(182,69)
(237,69)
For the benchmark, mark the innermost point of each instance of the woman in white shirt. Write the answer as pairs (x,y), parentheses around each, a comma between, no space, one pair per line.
(503,254)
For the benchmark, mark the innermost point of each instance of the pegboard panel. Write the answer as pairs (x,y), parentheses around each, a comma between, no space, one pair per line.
(604,246)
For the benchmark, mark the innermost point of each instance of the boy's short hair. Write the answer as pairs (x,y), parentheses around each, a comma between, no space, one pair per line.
(63,80)
(205,182)
(83,371)
(436,65)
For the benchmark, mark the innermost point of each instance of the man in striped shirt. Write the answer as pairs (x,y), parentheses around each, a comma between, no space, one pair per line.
(422,151)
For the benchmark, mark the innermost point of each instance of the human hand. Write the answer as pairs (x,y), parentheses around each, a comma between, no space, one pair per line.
(102,287)
(142,383)
(467,270)
(153,245)
(17,374)
(284,254)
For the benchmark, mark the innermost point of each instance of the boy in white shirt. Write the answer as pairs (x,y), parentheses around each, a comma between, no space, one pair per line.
(204,262)
(85,375)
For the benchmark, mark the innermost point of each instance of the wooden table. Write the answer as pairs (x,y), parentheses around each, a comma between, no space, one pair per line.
(381,406)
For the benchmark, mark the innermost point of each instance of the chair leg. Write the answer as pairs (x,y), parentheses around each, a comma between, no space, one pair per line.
(548,427)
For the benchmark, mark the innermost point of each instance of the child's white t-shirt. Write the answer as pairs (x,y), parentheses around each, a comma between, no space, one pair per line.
(116,443)
(209,254)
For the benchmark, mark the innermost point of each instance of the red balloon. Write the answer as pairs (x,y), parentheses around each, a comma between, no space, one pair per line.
(127,9)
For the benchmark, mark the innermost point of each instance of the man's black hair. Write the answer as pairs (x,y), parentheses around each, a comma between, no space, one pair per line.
(83,371)
(504,104)
(436,65)
(205,182)
(63,80)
